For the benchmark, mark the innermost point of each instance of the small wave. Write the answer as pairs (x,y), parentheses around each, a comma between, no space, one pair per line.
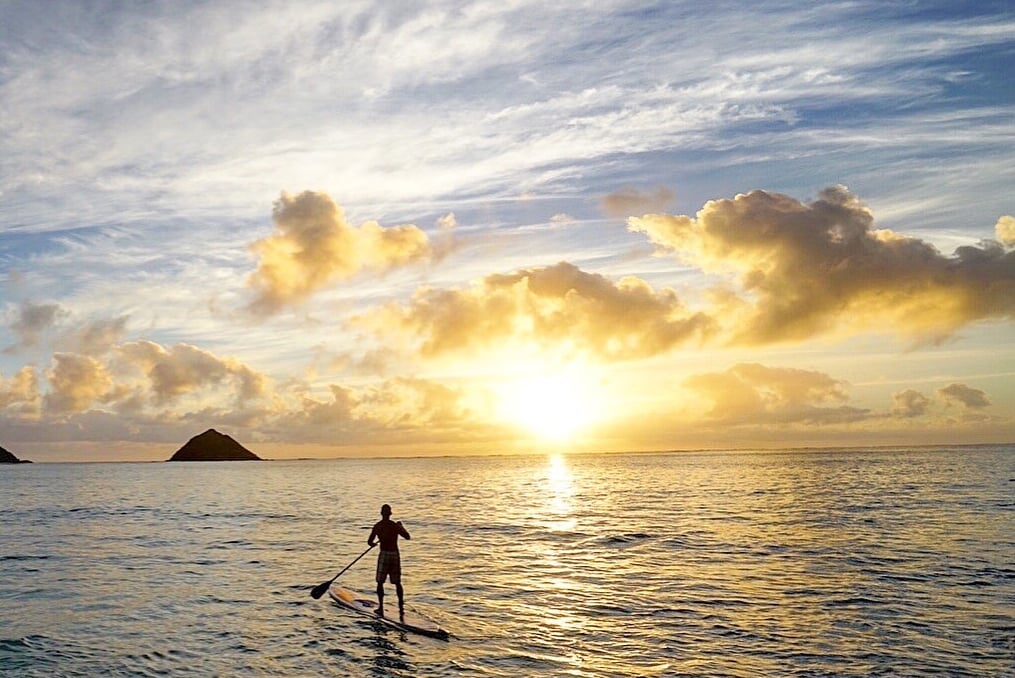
(618,540)
(13,644)
(976,583)
(25,557)
(855,601)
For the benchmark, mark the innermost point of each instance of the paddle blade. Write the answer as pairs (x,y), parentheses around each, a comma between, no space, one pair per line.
(320,589)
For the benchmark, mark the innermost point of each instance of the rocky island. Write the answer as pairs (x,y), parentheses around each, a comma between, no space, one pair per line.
(8,458)
(213,446)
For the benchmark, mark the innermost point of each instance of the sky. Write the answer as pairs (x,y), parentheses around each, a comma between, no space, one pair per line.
(419,228)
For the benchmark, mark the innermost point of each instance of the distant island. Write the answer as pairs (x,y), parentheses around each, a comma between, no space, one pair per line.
(213,446)
(8,458)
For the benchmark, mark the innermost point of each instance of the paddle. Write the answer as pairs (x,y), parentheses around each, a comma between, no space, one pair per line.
(321,588)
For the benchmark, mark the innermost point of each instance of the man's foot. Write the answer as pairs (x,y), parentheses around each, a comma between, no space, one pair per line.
(401,613)
(380,610)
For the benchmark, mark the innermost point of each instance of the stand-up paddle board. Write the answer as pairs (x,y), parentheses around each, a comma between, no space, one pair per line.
(411,621)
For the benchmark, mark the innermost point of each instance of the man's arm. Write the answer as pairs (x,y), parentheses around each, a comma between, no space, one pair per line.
(373,535)
(402,531)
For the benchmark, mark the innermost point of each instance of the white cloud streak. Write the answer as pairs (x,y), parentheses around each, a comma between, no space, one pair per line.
(128,103)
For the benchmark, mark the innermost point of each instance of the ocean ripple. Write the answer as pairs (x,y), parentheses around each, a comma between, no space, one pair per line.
(831,563)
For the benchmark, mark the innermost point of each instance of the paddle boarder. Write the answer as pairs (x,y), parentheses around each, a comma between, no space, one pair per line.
(389,563)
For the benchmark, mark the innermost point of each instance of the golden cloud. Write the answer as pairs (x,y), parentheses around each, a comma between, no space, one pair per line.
(382,412)
(182,369)
(1005,230)
(159,388)
(76,383)
(558,305)
(804,269)
(910,403)
(966,396)
(750,393)
(313,246)
(420,401)
(21,390)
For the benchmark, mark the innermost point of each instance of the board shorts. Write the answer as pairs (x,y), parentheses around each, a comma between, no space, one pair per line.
(389,564)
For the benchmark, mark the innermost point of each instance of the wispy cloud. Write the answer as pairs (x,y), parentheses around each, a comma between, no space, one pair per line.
(126,106)
(628,201)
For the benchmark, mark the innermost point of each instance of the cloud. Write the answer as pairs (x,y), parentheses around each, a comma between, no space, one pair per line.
(1005,230)
(32,321)
(76,383)
(97,337)
(806,269)
(417,402)
(967,397)
(382,412)
(313,246)
(630,201)
(182,369)
(909,404)
(750,393)
(554,306)
(445,242)
(20,391)
(448,222)
(163,392)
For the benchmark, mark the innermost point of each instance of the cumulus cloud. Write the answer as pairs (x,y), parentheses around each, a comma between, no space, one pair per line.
(383,411)
(558,305)
(313,246)
(750,393)
(631,201)
(76,383)
(142,381)
(808,268)
(153,388)
(909,404)
(31,321)
(967,397)
(420,401)
(1005,230)
(20,391)
(183,369)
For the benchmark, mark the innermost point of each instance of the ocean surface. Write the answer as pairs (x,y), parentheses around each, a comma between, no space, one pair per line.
(817,563)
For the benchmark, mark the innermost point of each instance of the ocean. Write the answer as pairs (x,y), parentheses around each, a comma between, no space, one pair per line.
(799,563)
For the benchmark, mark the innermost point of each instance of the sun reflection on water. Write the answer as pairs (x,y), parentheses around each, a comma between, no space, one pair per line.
(560,490)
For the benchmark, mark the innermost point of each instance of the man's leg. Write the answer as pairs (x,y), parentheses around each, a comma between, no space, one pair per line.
(401,598)
(380,598)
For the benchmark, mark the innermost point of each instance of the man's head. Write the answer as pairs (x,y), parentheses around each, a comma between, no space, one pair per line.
(385,511)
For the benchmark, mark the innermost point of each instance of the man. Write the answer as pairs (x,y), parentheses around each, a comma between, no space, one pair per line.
(389,564)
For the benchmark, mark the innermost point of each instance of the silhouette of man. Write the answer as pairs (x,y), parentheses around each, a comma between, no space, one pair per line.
(389,563)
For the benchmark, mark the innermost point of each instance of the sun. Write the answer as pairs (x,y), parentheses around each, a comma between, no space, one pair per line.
(554,407)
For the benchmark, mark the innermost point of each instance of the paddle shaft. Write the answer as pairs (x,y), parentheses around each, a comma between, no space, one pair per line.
(321,588)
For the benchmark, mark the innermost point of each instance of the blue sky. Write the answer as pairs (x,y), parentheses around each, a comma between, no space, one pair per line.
(162,269)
